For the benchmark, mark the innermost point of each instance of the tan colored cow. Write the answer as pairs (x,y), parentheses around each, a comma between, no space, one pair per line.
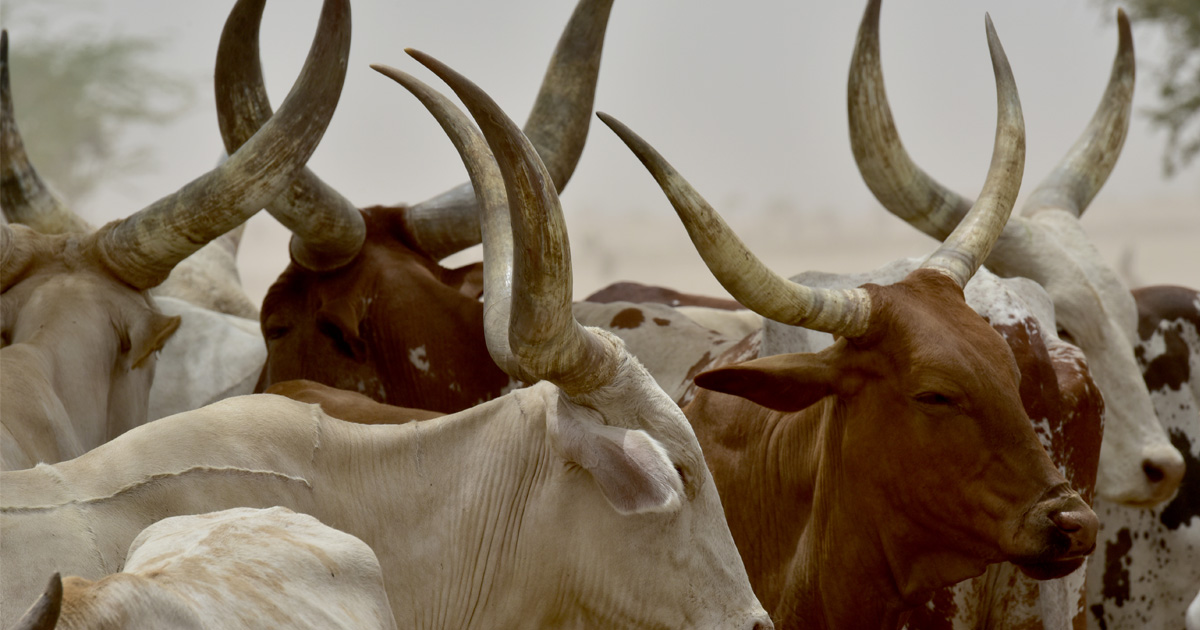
(582,501)
(859,479)
(79,329)
(238,568)
(1046,243)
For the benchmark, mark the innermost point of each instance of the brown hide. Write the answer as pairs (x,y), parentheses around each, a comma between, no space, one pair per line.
(917,470)
(642,293)
(391,324)
(349,406)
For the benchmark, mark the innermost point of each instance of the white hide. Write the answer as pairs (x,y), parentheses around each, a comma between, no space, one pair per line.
(238,568)
(211,357)
(476,517)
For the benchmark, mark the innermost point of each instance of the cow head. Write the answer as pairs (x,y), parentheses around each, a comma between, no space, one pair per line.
(364,304)
(75,305)
(1094,309)
(905,444)
(629,472)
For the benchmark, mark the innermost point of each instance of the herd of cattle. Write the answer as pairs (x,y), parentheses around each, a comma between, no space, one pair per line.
(1000,434)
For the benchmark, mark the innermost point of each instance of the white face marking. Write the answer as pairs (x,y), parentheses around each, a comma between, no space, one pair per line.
(417,357)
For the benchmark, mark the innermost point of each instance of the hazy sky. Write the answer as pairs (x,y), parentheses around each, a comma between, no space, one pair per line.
(747,99)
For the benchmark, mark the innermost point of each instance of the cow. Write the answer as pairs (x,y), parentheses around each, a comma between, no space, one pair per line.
(1146,569)
(80,331)
(238,568)
(1046,243)
(859,479)
(364,304)
(582,500)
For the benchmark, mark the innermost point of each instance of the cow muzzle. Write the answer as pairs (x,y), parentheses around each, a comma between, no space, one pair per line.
(1056,535)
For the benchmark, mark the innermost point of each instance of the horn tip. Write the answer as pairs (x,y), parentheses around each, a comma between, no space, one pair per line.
(1124,30)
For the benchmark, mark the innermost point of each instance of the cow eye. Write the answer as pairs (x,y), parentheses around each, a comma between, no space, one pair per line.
(934,398)
(1066,336)
(275,332)
(682,475)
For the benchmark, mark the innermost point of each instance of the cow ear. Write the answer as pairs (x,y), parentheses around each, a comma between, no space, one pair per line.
(784,382)
(339,321)
(631,468)
(160,330)
(44,612)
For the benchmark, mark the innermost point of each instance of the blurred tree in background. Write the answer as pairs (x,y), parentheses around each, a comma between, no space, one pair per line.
(77,92)
(1178,79)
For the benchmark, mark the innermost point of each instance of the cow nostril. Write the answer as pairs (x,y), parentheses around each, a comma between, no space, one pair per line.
(1153,473)
(1067,521)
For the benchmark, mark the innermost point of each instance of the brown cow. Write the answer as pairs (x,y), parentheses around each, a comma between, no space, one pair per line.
(80,332)
(859,479)
(1045,242)
(364,305)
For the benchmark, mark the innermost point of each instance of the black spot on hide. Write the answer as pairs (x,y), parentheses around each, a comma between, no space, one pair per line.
(1186,504)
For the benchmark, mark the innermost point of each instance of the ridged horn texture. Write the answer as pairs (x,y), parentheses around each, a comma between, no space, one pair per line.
(142,249)
(970,243)
(43,614)
(543,333)
(327,229)
(843,312)
(488,186)
(557,127)
(1076,179)
(896,181)
(24,197)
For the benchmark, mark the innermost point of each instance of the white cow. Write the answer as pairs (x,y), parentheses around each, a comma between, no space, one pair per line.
(238,568)
(1047,243)
(583,500)
(80,330)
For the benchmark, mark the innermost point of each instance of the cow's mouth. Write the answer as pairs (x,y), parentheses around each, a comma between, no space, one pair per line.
(1049,570)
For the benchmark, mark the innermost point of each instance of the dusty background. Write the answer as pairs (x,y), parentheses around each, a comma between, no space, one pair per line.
(747,99)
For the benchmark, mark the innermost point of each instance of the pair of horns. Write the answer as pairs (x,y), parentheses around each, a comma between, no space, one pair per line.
(531,331)
(328,230)
(847,312)
(142,249)
(910,193)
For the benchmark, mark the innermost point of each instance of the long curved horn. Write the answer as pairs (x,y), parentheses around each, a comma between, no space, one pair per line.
(143,248)
(488,186)
(1076,179)
(327,229)
(557,127)
(843,312)
(24,197)
(43,614)
(970,243)
(896,181)
(543,332)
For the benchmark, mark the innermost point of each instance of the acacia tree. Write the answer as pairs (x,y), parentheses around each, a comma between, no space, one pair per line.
(1178,78)
(76,94)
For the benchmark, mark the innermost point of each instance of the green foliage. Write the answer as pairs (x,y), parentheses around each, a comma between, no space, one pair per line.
(76,94)
(1178,79)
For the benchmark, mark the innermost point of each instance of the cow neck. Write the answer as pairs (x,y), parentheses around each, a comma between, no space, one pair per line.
(763,494)
(841,575)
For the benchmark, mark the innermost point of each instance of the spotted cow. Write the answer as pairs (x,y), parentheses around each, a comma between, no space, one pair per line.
(1146,570)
